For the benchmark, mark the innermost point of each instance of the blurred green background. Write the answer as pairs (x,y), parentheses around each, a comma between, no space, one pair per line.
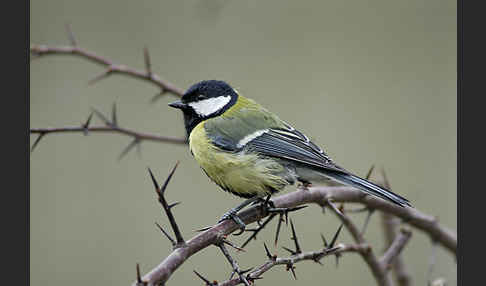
(373,82)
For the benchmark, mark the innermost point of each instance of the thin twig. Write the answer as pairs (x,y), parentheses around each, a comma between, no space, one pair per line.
(256,231)
(108,129)
(391,230)
(234,264)
(395,248)
(161,194)
(111,68)
(293,259)
(369,257)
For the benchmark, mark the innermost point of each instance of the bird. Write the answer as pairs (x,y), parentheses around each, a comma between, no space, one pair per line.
(250,152)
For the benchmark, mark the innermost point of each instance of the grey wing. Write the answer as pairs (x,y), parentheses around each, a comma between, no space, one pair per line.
(292,145)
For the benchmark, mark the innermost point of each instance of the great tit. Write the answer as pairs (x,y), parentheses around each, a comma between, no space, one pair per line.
(250,152)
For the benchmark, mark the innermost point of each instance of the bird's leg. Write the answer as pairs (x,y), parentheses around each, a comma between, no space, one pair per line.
(266,203)
(231,214)
(269,207)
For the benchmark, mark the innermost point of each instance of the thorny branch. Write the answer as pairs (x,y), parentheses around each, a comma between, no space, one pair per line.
(110,127)
(317,195)
(164,86)
(234,265)
(168,208)
(296,256)
(293,259)
(216,235)
(368,256)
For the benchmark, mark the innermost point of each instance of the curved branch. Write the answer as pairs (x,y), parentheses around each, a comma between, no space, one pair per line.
(318,195)
(379,272)
(111,67)
(303,256)
(395,248)
(390,226)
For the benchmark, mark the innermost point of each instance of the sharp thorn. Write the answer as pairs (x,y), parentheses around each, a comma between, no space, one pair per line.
(335,209)
(232,274)
(146,57)
(367,220)
(333,241)
(173,204)
(102,117)
(86,124)
(139,277)
(37,140)
(70,34)
(99,77)
(253,236)
(128,148)
(337,255)
(289,250)
(267,251)
(158,96)
(164,186)
(385,179)
(292,268)
(166,234)
(324,241)
(154,181)
(139,148)
(202,278)
(279,224)
(294,237)
(370,171)
(113,115)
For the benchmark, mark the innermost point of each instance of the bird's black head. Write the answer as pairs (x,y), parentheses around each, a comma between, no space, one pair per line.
(204,100)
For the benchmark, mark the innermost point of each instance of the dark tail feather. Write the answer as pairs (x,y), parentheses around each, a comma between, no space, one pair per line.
(369,188)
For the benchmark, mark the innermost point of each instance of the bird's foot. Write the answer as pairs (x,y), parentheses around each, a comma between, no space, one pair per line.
(265,203)
(231,214)
(269,207)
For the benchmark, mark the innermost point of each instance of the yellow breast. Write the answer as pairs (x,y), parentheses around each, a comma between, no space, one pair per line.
(244,174)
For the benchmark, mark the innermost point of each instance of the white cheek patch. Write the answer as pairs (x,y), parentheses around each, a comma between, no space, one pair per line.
(211,105)
(250,137)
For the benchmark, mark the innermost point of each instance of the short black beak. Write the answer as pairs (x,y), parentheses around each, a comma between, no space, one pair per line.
(178,105)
